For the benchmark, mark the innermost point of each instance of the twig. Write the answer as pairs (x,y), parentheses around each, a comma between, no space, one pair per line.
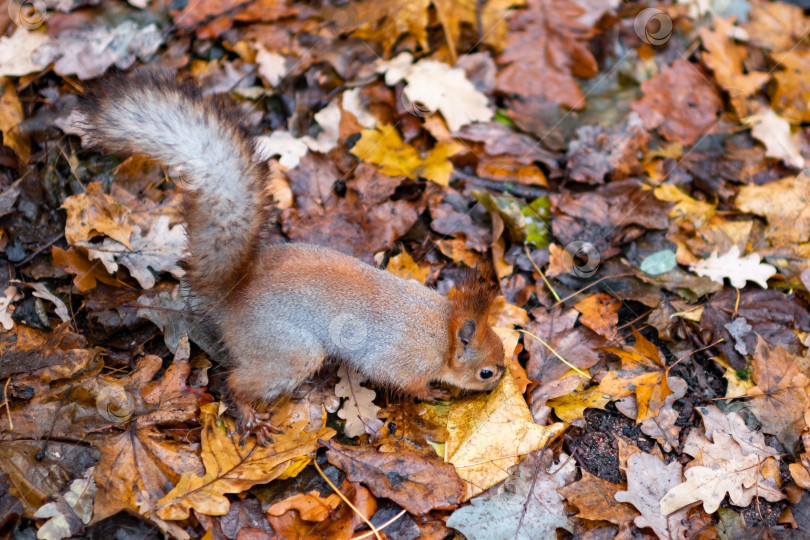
(347,501)
(542,275)
(381,527)
(555,353)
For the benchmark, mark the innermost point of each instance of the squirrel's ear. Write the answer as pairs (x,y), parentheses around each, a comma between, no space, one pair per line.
(466,331)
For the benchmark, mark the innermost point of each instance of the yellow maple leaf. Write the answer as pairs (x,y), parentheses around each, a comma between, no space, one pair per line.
(233,468)
(643,373)
(384,147)
(490,433)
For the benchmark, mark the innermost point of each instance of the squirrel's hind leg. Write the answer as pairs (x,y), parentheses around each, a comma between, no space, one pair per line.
(267,371)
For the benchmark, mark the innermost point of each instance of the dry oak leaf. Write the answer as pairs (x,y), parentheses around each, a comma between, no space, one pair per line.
(94,213)
(720,468)
(310,506)
(231,467)
(680,102)
(595,499)
(777,26)
(488,433)
(358,410)
(436,86)
(416,483)
(725,58)
(737,269)
(384,147)
(648,480)
(780,397)
(774,132)
(784,204)
(525,507)
(642,373)
(545,51)
(341,523)
(751,442)
(157,250)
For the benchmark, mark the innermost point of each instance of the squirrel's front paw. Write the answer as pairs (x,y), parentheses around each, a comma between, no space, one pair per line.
(436,394)
(251,422)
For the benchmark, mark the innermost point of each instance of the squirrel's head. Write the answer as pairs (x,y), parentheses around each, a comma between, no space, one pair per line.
(476,360)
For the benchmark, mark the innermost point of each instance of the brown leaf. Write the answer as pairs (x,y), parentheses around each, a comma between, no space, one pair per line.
(725,58)
(602,153)
(140,463)
(545,50)
(776,26)
(781,395)
(600,313)
(680,103)
(94,213)
(594,498)
(87,273)
(415,482)
(344,520)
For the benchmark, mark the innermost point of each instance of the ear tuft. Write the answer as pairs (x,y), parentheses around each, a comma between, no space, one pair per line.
(466,331)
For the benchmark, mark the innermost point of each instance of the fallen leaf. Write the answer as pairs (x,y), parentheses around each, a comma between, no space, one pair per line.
(341,525)
(491,432)
(16,52)
(776,26)
(784,204)
(11,114)
(600,153)
(751,442)
(157,250)
(94,213)
(726,58)
(781,395)
(680,103)
(736,268)
(545,50)
(89,52)
(643,373)
(686,208)
(384,147)
(403,266)
(648,480)
(416,483)
(231,467)
(600,313)
(358,410)
(10,295)
(594,498)
(525,507)
(720,468)
(87,273)
(774,132)
(435,86)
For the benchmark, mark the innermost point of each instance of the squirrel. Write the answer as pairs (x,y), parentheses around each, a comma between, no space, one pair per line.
(282,309)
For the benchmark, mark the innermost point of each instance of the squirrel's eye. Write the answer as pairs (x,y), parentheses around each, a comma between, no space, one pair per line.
(486,374)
